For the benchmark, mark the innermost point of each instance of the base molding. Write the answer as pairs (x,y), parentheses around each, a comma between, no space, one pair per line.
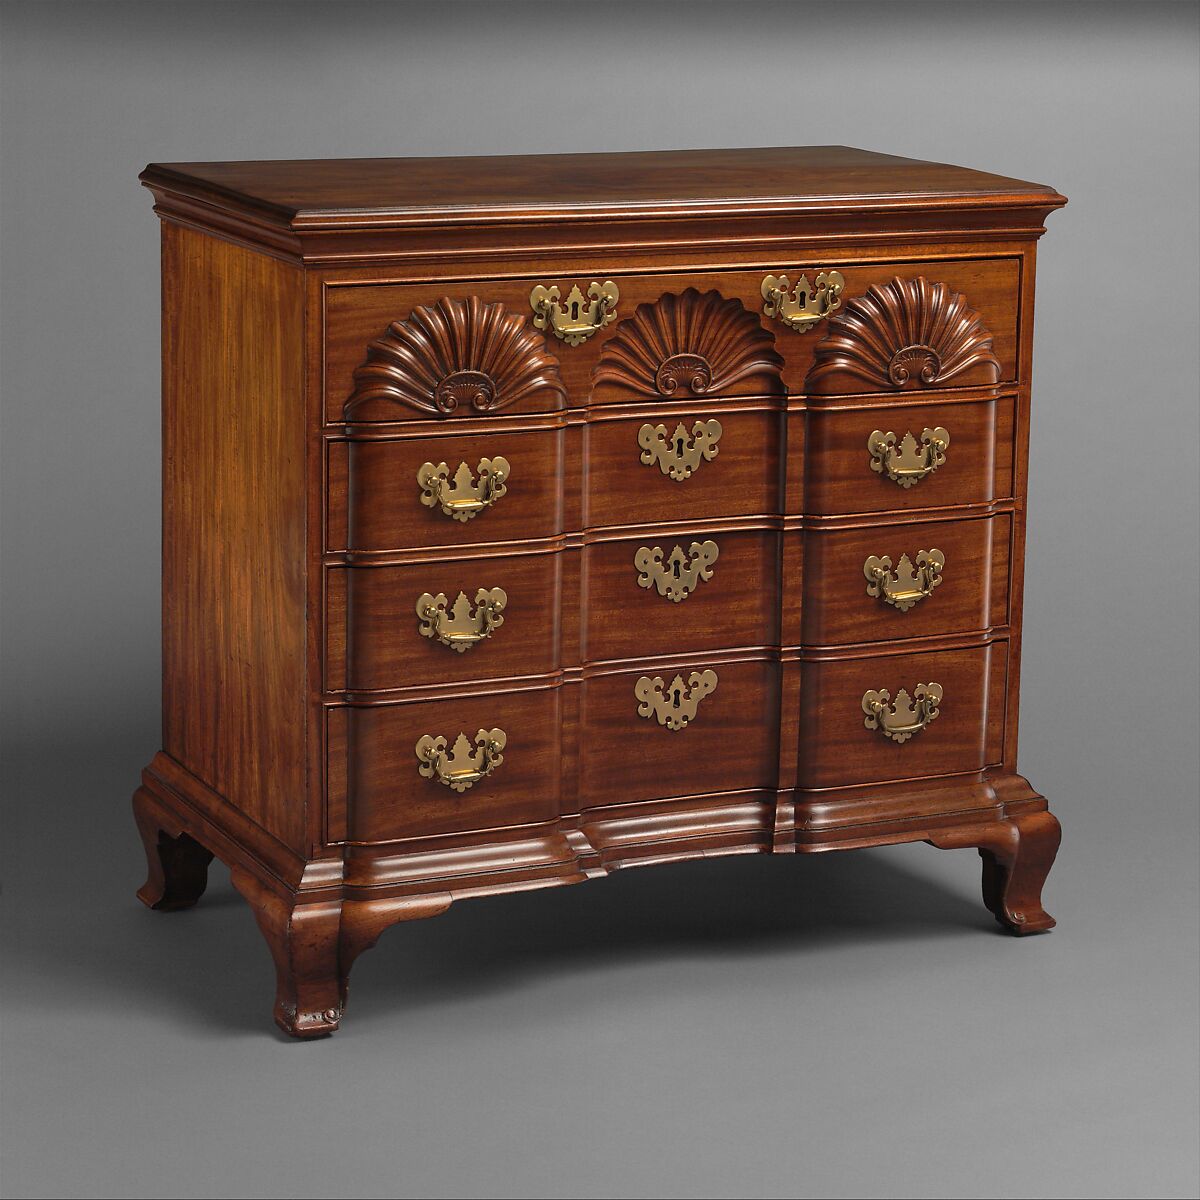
(319,914)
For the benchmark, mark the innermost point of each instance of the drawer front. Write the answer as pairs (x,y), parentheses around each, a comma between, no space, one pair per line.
(906,580)
(387,797)
(737,359)
(837,749)
(731,741)
(403,626)
(649,596)
(861,459)
(680,466)
(388,494)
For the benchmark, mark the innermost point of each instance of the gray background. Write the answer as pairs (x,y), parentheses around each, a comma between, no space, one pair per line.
(839,1026)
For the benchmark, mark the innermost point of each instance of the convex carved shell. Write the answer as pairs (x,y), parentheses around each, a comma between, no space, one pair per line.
(905,334)
(458,354)
(691,343)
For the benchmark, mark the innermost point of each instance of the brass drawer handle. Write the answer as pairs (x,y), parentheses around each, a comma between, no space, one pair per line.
(908,462)
(463,497)
(465,765)
(906,715)
(456,625)
(574,320)
(802,306)
(673,705)
(682,572)
(907,584)
(679,455)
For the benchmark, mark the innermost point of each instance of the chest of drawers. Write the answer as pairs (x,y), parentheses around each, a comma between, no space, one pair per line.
(528,518)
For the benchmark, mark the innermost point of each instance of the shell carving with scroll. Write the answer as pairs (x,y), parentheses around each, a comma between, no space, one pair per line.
(906,334)
(456,355)
(690,344)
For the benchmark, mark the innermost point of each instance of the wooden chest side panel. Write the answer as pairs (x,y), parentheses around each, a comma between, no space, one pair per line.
(234,666)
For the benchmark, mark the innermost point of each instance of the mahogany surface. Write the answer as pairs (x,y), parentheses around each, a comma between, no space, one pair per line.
(329,328)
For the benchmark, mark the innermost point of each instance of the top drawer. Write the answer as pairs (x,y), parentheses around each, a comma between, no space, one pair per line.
(395,352)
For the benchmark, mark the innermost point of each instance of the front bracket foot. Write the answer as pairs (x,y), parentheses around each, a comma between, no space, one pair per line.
(1017,855)
(303,940)
(176,865)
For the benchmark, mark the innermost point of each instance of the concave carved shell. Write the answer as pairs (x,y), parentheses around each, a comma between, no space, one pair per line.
(905,334)
(459,353)
(690,344)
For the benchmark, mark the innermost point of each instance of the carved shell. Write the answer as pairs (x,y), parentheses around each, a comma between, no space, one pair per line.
(909,333)
(459,353)
(690,344)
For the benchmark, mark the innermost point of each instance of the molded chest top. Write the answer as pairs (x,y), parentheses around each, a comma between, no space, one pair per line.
(334,193)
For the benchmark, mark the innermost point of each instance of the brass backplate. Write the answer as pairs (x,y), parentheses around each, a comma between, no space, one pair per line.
(680,573)
(465,495)
(673,704)
(574,319)
(899,719)
(466,763)
(680,454)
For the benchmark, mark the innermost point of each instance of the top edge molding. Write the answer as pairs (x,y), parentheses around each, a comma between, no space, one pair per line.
(323,209)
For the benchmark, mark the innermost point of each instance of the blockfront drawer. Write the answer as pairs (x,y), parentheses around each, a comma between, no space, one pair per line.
(685,730)
(905,580)
(446,620)
(901,716)
(476,761)
(878,458)
(683,464)
(691,333)
(677,593)
(389,493)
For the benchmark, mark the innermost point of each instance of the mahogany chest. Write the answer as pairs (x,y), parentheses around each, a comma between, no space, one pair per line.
(528,518)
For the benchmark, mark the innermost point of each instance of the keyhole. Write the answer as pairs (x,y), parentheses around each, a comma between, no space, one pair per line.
(575,311)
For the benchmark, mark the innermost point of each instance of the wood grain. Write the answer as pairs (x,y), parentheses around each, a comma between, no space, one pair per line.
(384,646)
(972,593)
(731,744)
(743,479)
(977,470)
(738,606)
(362,190)
(836,749)
(381,508)
(391,800)
(234,666)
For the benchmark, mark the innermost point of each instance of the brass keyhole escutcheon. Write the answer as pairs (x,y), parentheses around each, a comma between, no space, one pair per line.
(679,455)
(576,319)
(676,703)
(680,573)
(801,306)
